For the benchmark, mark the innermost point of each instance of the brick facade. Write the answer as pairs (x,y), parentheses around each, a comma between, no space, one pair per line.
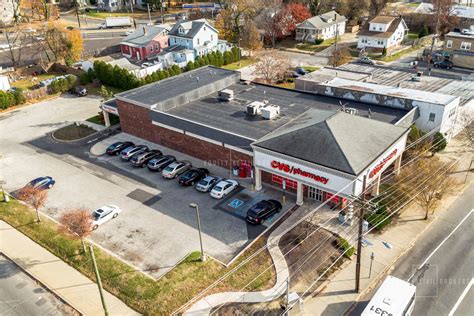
(135,120)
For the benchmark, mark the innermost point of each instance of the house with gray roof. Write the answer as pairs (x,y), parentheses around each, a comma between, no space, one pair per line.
(323,27)
(146,42)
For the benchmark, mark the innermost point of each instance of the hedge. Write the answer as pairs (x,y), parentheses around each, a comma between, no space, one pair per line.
(122,79)
(63,84)
(346,248)
(8,99)
(378,219)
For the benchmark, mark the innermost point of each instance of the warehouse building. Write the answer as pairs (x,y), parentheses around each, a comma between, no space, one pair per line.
(320,147)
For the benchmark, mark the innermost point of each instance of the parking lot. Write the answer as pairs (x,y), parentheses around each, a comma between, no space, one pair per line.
(157,227)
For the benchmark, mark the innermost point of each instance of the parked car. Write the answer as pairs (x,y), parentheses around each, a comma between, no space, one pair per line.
(129,152)
(192,176)
(301,71)
(79,91)
(159,163)
(224,187)
(142,159)
(104,214)
(366,60)
(206,184)
(262,210)
(443,64)
(117,147)
(175,169)
(42,183)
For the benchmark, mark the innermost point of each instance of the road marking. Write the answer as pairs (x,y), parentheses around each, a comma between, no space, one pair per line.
(463,294)
(442,242)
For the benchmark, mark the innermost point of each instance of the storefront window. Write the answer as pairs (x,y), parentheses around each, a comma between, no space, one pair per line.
(290,184)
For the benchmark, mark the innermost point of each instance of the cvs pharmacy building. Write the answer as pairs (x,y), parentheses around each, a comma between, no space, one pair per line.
(326,155)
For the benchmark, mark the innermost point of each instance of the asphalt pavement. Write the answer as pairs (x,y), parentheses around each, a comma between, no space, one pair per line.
(21,295)
(446,286)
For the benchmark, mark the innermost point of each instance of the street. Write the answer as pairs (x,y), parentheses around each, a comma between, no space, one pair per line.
(21,295)
(445,288)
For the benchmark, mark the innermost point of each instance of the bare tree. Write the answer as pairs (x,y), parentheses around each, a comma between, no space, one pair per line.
(431,184)
(465,121)
(77,223)
(272,65)
(17,39)
(35,197)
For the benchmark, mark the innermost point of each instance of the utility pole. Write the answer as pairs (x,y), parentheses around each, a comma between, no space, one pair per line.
(99,282)
(161,10)
(77,14)
(359,237)
(436,33)
(149,15)
(195,206)
(372,257)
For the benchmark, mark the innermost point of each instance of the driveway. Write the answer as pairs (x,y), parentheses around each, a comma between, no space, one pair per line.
(157,227)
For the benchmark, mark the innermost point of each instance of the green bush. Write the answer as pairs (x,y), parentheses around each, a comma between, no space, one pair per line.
(384,51)
(424,31)
(6,100)
(318,41)
(346,248)
(378,219)
(439,142)
(19,96)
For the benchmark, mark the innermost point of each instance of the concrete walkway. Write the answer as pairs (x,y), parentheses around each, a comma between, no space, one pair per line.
(205,305)
(63,280)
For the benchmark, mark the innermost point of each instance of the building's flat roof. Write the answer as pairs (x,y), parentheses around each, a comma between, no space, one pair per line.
(160,91)
(231,117)
(396,92)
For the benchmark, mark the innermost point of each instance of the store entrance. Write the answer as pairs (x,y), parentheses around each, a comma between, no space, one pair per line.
(315,194)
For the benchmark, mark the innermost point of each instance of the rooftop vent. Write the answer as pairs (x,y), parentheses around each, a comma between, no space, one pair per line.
(351,111)
(226,95)
(270,111)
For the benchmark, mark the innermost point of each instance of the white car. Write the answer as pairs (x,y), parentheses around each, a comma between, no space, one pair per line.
(104,214)
(223,188)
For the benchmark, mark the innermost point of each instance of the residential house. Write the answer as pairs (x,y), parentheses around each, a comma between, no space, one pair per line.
(459,46)
(145,43)
(189,39)
(7,11)
(324,26)
(383,31)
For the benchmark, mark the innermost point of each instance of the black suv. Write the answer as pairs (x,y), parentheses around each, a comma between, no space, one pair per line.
(142,159)
(159,163)
(117,147)
(259,212)
(192,176)
(443,64)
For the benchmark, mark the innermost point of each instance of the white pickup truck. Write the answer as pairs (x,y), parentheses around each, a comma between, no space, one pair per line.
(116,22)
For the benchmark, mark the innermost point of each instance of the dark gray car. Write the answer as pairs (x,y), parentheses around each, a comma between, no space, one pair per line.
(159,163)
(129,152)
(142,159)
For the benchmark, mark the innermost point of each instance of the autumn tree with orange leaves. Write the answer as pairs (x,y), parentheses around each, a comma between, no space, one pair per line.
(77,223)
(35,197)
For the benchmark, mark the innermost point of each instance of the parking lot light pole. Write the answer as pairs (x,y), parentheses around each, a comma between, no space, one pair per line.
(195,206)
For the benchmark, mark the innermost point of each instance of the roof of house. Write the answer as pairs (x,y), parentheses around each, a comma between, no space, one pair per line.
(461,35)
(321,21)
(143,35)
(387,34)
(191,28)
(461,11)
(337,140)
(382,19)
(396,92)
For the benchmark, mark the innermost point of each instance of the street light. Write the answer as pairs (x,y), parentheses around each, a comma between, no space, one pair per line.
(195,206)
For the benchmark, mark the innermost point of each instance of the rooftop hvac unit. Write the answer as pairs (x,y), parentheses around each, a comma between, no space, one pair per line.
(270,111)
(351,111)
(255,107)
(226,95)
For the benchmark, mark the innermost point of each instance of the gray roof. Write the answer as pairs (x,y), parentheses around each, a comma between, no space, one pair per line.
(191,28)
(336,140)
(160,91)
(140,38)
(321,21)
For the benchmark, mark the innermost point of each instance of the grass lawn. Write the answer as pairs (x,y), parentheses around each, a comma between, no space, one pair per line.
(310,68)
(98,119)
(411,36)
(246,61)
(31,81)
(309,47)
(397,55)
(287,85)
(145,295)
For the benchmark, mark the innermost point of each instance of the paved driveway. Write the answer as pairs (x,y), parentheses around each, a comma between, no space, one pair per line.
(157,227)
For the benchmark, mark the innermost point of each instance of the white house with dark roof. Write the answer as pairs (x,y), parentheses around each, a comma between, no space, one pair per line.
(324,26)
(198,37)
(383,31)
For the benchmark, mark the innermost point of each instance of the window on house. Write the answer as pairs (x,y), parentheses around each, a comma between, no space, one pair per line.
(449,44)
(452,112)
(198,41)
(380,42)
(157,46)
(151,48)
(380,28)
(465,46)
(212,37)
(432,117)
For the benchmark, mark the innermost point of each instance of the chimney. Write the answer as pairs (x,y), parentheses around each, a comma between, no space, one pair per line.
(144,30)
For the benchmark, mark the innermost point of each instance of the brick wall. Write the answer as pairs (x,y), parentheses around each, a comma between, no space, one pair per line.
(135,120)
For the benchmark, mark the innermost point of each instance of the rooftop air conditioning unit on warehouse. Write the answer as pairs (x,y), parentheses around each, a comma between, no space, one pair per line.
(226,95)
(270,111)
(255,108)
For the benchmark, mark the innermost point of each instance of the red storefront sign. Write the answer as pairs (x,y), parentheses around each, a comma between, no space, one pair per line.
(297,171)
(379,167)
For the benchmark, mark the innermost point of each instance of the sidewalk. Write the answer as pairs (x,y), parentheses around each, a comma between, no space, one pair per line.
(338,294)
(63,280)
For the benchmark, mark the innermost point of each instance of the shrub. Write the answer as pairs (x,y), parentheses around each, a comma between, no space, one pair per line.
(384,51)
(190,66)
(346,248)
(439,142)
(19,96)
(318,41)
(290,79)
(424,31)
(378,219)
(6,100)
